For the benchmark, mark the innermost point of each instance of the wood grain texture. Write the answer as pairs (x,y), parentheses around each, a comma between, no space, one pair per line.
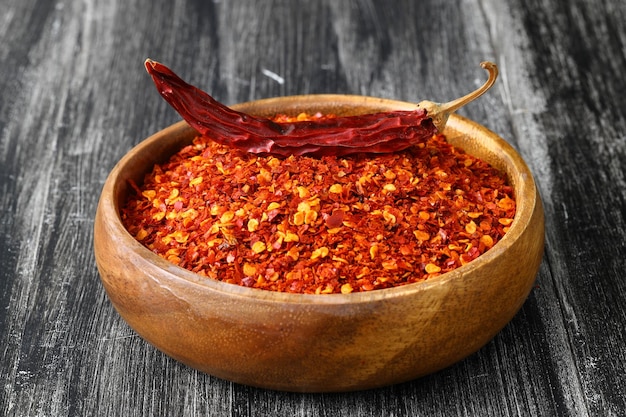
(75,98)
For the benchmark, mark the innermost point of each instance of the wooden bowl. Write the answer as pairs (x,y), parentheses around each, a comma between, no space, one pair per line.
(315,343)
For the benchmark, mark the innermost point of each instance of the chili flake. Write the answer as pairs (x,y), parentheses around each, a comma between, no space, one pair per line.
(320,225)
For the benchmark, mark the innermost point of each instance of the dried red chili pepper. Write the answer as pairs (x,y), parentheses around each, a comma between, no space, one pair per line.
(372,133)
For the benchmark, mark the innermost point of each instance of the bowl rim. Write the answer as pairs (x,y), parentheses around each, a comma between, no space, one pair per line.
(110,211)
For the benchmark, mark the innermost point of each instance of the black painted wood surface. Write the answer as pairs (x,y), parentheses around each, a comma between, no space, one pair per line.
(75,98)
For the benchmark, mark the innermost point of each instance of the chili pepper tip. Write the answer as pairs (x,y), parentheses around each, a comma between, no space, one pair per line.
(149,64)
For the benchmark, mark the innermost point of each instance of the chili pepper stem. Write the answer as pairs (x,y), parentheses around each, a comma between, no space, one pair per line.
(440,112)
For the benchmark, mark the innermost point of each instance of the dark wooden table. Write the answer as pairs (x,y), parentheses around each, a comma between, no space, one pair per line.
(75,98)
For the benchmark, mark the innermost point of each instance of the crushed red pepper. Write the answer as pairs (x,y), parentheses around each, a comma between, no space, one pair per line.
(320,225)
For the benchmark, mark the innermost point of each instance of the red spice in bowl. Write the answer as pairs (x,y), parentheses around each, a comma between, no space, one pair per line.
(320,224)
(313,343)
